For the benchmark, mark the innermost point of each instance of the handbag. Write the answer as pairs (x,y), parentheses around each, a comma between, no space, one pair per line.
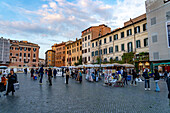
(16,86)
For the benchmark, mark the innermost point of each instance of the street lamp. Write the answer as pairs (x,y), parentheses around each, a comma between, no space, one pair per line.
(100,51)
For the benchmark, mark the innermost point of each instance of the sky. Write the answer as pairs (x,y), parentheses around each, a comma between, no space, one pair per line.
(46,22)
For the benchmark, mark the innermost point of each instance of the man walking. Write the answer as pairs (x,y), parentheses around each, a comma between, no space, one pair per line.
(41,73)
(50,76)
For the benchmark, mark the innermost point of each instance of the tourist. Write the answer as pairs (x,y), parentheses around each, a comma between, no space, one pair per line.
(67,75)
(125,76)
(12,78)
(168,85)
(165,75)
(54,72)
(80,76)
(50,76)
(41,72)
(134,74)
(4,81)
(32,72)
(46,71)
(147,79)
(156,78)
(25,70)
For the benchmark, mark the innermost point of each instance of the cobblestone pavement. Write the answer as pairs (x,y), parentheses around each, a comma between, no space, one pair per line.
(83,98)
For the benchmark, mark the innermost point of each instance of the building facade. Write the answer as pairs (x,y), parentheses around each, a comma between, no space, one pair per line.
(60,54)
(24,54)
(74,52)
(50,58)
(158,14)
(158,19)
(41,62)
(89,34)
(133,37)
(4,51)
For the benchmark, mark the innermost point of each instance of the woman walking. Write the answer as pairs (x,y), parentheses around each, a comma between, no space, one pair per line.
(156,78)
(67,75)
(50,76)
(12,78)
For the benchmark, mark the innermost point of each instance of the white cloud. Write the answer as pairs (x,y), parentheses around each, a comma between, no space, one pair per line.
(63,20)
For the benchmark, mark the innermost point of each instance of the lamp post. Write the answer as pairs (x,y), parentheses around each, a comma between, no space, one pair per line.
(99,52)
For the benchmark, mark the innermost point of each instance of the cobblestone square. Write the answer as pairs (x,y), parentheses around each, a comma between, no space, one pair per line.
(83,98)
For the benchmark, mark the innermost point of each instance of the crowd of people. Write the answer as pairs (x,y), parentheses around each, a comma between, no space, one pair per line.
(111,77)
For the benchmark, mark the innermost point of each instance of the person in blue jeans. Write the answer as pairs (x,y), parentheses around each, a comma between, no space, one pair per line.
(41,71)
(147,80)
(156,78)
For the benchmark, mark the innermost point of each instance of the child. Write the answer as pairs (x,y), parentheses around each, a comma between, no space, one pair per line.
(4,80)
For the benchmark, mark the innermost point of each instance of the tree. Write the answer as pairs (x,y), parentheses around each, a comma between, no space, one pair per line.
(79,61)
(128,57)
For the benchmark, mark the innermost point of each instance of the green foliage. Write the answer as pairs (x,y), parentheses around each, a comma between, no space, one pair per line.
(79,61)
(128,57)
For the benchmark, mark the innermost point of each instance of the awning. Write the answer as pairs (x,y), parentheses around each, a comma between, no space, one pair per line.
(157,64)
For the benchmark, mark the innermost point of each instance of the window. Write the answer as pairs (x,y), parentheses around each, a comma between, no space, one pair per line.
(10,54)
(92,54)
(34,60)
(156,55)
(153,20)
(80,48)
(104,40)
(85,50)
(117,59)
(20,60)
(16,48)
(129,32)
(105,51)
(144,27)
(34,49)
(88,43)
(110,38)
(130,47)
(116,37)
(138,44)
(100,52)
(137,29)
(77,44)
(77,49)
(154,39)
(85,38)
(100,42)
(96,43)
(25,48)
(168,33)
(122,34)
(92,44)
(122,47)
(20,54)
(96,53)
(110,49)
(88,49)
(82,39)
(116,48)
(19,65)
(145,42)
(17,54)
(29,49)
(89,58)
(88,37)
(24,54)
(11,48)
(34,56)
(28,54)
(105,59)
(20,48)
